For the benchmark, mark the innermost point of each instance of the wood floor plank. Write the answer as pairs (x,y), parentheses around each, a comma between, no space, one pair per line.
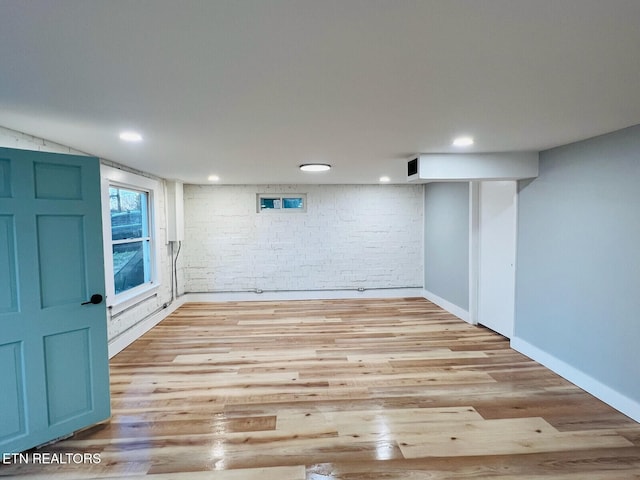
(341,389)
(584,465)
(268,473)
(502,437)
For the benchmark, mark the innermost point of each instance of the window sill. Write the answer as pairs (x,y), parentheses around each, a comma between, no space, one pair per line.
(136,295)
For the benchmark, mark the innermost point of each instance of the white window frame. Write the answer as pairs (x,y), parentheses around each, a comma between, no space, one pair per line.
(113,177)
(281,197)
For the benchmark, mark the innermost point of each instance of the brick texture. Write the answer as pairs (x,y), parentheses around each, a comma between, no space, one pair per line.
(116,324)
(351,236)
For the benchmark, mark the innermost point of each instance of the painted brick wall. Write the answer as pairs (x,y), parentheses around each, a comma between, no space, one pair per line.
(121,322)
(351,236)
(116,324)
(13,139)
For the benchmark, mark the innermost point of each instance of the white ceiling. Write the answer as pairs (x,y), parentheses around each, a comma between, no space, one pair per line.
(250,89)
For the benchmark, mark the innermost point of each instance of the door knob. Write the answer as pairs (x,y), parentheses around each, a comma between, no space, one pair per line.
(95,299)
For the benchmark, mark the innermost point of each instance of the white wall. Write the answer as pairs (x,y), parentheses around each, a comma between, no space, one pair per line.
(117,324)
(351,236)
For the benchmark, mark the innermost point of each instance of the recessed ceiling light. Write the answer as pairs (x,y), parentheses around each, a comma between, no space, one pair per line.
(130,136)
(213,178)
(315,167)
(462,141)
(385,179)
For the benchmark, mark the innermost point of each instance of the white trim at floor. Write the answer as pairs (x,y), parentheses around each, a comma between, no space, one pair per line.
(620,402)
(461,313)
(304,295)
(129,336)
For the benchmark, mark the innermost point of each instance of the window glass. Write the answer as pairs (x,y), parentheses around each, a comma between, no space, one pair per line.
(130,238)
(269,203)
(128,212)
(293,202)
(130,265)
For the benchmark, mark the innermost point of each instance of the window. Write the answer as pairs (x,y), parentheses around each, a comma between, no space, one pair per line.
(290,202)
(129,237)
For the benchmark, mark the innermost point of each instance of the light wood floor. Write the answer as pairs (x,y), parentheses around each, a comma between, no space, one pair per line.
(352,390)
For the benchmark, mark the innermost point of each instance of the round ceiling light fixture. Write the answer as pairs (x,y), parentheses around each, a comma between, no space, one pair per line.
(462,141)
(385,179)
(213,178)
(315,167)
(130,136)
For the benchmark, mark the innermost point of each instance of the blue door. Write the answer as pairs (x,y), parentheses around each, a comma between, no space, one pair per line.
(54,371)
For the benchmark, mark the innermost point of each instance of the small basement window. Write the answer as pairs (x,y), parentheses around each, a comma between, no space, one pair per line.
(296,202)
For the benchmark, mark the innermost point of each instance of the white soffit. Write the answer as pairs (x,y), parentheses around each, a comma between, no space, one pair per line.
(474,166)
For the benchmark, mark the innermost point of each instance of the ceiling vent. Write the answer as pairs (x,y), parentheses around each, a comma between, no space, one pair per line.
(412,167)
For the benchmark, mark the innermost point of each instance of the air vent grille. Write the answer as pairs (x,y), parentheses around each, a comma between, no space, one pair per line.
(412,167)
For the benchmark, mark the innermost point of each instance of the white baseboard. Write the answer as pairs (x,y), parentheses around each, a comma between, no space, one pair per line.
(302,295)
(461,313)
(126,338)
(620,402)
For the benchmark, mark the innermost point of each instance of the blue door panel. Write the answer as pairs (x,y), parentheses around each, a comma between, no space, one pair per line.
(54,371)
(61,259)
(5,178)
(12,418)
(8,278)
(68,373)
(58,182)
